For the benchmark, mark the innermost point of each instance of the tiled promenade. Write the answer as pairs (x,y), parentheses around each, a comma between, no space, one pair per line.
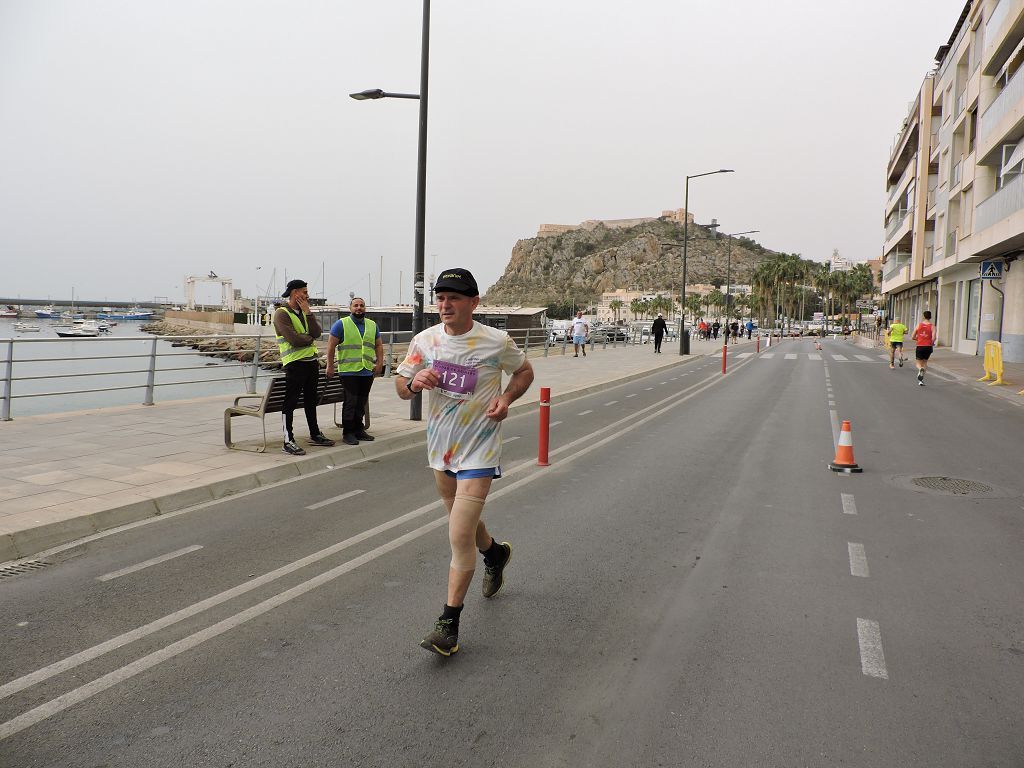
(68,475)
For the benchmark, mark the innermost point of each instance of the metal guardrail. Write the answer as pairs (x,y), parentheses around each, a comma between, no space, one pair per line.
(531,340)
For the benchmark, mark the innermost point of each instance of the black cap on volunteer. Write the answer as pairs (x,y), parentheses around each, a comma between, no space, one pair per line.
(457,280)
(292,285)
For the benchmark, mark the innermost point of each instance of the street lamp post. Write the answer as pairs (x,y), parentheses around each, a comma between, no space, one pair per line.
(684,335)
(728,266)
(416,403)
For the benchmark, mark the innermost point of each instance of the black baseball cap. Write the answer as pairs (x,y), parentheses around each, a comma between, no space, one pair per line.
(457,280)
(292,285)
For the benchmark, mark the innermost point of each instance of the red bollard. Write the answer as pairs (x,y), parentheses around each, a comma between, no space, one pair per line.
(758,344)
(725,353)
(545,427)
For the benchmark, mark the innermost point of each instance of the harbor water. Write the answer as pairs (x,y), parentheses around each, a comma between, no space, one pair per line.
(97,363)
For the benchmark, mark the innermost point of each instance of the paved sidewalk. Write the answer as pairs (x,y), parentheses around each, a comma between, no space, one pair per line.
(68,475)
(967,369)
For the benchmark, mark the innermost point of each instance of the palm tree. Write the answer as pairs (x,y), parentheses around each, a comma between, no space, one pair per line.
(636,307)
(615,305)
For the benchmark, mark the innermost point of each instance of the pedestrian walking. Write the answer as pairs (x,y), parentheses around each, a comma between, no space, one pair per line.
(735,328)
(658,328)
(580,329)
(924,335)
(750,329)
(715,326)
(460,362)
(297,330)
(361,358)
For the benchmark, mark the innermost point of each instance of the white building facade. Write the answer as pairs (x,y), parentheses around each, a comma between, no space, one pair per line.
(956,192)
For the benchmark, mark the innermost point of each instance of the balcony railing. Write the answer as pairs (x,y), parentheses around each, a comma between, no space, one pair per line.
(929,255)
(961,103)
(896,222)
(955,176)
(952,238)
(894,263)
(1009,98)
(930,198)
(1003,204)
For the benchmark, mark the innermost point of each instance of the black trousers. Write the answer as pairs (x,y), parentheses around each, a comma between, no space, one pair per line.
(657,342)
(300,377)
(357,393)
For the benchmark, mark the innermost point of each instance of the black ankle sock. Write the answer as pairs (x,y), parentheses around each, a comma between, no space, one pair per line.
(451,613)
(495,552)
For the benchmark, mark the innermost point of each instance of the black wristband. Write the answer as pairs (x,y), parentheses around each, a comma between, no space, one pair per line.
(408,385)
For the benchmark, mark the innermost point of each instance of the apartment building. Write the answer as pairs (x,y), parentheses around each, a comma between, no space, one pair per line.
(955,187)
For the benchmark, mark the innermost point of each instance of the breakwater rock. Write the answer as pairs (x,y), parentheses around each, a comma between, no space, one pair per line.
(224,346)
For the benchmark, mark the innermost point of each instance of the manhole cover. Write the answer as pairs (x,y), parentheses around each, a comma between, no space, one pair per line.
(951,485)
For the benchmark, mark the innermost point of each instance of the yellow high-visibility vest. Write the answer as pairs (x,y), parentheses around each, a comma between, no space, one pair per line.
(290,354)
(355,352)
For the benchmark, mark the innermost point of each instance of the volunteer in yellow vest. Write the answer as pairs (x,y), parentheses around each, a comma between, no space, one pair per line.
(896,333)
(356,341)
(297,330)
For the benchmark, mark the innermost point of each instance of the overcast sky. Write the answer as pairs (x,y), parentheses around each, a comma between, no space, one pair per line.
(144,141)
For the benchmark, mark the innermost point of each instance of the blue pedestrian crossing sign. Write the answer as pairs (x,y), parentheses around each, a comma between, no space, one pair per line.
(991,270)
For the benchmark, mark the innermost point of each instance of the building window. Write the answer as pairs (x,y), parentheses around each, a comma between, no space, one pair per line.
(973,305)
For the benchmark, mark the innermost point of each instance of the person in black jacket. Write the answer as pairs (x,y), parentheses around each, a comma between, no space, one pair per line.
(658,328)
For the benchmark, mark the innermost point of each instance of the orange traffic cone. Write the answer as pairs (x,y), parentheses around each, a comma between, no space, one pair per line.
(844,461)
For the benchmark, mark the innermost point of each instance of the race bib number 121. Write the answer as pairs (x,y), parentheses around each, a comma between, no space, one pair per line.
(457,381)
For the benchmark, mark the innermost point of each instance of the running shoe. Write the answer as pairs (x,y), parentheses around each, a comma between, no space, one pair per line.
(901,362)
(494,572)
(321,439)
(443,639)
(292,448)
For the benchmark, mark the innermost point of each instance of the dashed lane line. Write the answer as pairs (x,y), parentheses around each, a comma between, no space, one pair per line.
(148,563)
(872,659)
(849,506)
(584,413)
(858,560)
(333,499)
(610,402)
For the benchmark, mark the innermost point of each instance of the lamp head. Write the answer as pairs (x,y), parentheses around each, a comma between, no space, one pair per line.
(370,93)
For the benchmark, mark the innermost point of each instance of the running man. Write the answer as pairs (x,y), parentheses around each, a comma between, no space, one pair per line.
(580,329)
(460,362)
(896,333)
(924,335)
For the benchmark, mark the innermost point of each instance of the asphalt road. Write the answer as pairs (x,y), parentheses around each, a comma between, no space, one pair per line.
(690,586)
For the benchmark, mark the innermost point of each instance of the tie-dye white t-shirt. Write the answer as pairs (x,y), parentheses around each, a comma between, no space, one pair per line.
(459,434)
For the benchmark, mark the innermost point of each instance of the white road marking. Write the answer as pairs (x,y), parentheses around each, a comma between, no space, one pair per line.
(510,439)
(633,395)
(584,413)
(872,660)
(554,423)
(790,356)
(849,506)
(333,499)
(835,427)
(813,356)
(858,560)
(662,382)
(745,354)
(865,358)
(573,451)
(832,403)
(611,402)
(767,355)
(648,389)
(148,563)
(840,358)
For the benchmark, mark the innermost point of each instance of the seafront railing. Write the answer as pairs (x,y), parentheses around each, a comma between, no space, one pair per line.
(250,357)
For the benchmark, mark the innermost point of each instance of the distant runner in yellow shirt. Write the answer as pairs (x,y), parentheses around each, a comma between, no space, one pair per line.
(896,333)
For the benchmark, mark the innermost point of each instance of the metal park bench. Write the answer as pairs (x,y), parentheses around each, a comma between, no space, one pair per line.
(329,390)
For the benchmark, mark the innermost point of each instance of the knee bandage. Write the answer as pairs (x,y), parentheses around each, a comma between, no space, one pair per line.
(462,525)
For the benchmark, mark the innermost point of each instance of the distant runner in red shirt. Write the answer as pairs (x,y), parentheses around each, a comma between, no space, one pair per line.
(924,335)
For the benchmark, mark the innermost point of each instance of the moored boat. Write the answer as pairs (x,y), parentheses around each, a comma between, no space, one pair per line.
(23,327)
(133,313)
(46,312)
(9,311)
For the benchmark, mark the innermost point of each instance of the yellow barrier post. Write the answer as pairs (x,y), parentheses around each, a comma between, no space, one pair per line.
(993,363)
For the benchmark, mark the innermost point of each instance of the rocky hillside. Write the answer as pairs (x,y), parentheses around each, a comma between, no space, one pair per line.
(584,263)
